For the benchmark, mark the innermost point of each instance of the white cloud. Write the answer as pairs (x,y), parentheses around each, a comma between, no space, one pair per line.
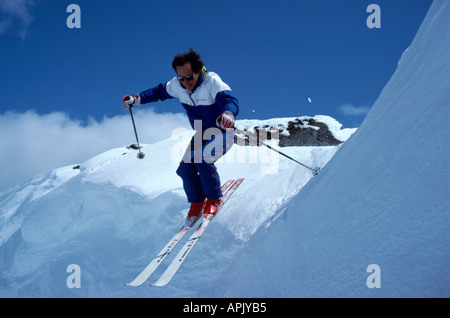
(16,11)
(31,143)
(351,110)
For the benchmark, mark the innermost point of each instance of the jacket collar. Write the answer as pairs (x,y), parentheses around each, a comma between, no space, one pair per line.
(203,75)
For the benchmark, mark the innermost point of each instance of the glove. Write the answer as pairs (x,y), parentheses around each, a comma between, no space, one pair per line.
(226,120)
(131,100)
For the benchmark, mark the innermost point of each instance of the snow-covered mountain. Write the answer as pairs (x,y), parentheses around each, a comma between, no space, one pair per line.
(377,213)
(111,214)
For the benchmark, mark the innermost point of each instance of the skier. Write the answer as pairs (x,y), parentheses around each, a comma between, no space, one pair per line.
(211,108)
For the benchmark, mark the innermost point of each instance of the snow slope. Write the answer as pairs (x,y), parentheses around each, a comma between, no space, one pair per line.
(112,213)
(381,199)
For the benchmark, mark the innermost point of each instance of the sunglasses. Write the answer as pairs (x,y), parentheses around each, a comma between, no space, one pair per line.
(187,78)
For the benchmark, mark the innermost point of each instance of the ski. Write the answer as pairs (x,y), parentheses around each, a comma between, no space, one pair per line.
(187,248)
(154,264)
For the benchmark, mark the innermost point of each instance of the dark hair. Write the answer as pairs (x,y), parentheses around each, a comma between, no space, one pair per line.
(192,56)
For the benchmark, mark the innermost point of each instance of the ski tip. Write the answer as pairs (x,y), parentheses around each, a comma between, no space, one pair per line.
(161,284)
(162,281)
(134,283)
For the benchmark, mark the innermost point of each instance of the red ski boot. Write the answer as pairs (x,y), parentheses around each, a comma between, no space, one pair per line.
(195,212)
(211,206)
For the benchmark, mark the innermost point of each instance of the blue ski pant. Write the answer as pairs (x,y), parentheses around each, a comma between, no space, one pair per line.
(197,170)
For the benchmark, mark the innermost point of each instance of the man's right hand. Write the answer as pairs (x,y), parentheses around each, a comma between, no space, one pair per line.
(131,100)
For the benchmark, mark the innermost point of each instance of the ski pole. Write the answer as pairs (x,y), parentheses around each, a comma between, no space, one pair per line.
(314,171)
(140,155)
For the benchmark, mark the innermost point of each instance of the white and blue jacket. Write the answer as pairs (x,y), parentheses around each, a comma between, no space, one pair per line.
(210,98)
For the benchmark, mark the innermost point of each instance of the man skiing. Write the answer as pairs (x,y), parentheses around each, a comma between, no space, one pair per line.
(211,108)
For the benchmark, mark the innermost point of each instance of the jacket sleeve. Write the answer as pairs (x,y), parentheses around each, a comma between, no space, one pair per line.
(154,94)
(226,101)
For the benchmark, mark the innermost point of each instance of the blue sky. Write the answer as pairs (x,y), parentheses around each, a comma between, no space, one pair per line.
(274,55)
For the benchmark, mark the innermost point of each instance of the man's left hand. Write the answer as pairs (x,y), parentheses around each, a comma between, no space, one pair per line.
(226,120)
